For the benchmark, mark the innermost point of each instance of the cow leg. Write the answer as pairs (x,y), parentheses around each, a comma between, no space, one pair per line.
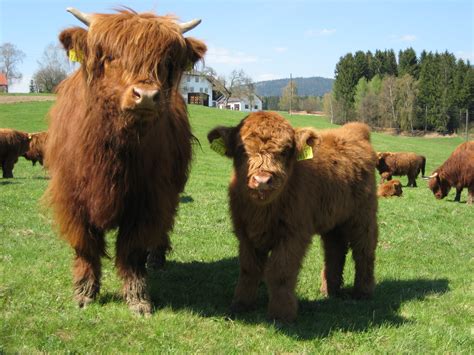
(363,243)
(281,274)
(87,266)
(252,264)
(130,262)
(458,194)
(470,196)
(7,167)
(335,247)
(156,258)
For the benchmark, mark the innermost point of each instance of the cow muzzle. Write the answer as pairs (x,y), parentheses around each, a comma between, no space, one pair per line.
(141,99)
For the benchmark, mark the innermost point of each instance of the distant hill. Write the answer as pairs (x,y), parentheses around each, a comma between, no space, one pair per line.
(314,86)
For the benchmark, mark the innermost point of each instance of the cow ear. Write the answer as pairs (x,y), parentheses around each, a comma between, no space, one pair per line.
(196,50)
(222,140)
(304,138)
(74,41)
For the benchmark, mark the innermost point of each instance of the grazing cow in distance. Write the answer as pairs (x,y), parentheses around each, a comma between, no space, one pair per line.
(120,144)
(35,152)
(457,171)
(401,163)
(13,144)
(390,188)
(288,185)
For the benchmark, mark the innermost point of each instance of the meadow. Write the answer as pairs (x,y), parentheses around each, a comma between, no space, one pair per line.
(423,302)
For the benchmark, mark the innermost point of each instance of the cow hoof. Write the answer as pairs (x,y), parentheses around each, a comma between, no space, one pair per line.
(282,316)
(83,301)
(141,308)
(360,295)
(85,292)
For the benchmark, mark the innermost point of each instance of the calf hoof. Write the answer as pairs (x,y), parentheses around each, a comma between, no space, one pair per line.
(83,301)
(239,307)
(85,292)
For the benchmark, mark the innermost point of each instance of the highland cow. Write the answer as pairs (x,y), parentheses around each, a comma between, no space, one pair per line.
(390,188)
(119,144)
(457,171)
(12,145)
(279,201)
(35,152)
(400,164)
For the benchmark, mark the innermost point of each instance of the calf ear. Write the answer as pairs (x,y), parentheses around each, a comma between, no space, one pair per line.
(196,50)
(305,137)
(222,140)
(74,41)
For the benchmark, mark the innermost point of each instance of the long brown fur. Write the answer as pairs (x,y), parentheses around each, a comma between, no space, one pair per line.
(113,166)
(13,144)
(457,171)
(390,188)
(35,152)
(333,194)
(399,164)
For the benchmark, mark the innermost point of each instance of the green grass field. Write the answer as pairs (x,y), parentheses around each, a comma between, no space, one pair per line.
(423,303)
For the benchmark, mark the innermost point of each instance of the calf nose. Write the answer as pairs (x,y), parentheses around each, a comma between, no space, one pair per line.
(144,98)
(261,181)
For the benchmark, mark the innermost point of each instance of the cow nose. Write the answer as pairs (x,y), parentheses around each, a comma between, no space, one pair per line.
(262,182)
(145,98)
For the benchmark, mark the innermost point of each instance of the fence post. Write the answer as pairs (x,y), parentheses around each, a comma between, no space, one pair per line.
(467,125)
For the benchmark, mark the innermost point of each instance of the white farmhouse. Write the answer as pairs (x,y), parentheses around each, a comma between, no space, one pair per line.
(196,89)
(247,103)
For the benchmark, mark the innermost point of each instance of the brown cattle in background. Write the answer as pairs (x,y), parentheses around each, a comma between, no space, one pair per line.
(390,188)
(13,144)
(399,164)
(457,171)
(35,152)
(279,203)
(119,144)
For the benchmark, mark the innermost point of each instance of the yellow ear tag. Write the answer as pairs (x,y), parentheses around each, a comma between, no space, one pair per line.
(306,153)
(218,146)
(76,56)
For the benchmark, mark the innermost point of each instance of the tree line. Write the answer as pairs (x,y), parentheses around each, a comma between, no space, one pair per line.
(431,91)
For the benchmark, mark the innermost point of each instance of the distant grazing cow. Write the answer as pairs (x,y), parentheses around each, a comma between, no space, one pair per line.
(119,144)
(35,152)
(279,203)
(457,171)
(390,188)
(399,164)
(12,145)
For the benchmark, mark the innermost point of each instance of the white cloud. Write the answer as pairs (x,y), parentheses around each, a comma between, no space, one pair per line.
(226,56)
(323,32)
(280,49)
(404,38)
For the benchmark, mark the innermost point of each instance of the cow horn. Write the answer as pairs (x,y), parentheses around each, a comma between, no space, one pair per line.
(86,19)
(188,26)
(433,176)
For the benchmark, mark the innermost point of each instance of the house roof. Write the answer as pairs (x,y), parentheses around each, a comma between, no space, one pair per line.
(3,80)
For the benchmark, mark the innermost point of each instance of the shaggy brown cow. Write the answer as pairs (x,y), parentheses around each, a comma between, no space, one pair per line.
(279,203)
(390,188)
(12,145)
(399,164)
(35,152)
(457,171)
(119,144)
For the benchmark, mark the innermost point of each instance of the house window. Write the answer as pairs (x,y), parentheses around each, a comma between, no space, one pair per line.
(246,107)
(197,79)
(188,79)
(185,88)
(200,90)
(192,89)
(206,90)
(255,107)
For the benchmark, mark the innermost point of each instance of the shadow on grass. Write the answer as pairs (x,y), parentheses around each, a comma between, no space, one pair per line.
(186,199)
(8,182)
(207,288)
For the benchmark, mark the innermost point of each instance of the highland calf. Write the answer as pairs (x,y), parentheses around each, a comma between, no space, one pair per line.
(280,197)
(13,144)
(119,144)
(35,152)
(400,164)
(390,188)
(457,171)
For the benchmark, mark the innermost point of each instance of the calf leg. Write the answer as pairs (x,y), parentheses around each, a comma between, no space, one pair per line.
(130,262)
(281,274)
(363,243)
(87,266)
(335,247)
(252,264)
(7,167)
(458,194)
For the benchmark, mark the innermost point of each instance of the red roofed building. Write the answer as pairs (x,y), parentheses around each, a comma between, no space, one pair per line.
(3,83)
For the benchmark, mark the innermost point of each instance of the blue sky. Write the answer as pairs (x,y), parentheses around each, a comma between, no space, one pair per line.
(267,39)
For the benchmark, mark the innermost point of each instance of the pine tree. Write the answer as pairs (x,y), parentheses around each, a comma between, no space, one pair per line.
(408,63)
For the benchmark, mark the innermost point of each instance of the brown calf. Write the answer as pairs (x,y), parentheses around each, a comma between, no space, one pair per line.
(278,203)
(390,188)
(12,145)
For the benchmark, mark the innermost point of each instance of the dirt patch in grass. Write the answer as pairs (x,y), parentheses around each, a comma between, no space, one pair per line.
(13,99)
